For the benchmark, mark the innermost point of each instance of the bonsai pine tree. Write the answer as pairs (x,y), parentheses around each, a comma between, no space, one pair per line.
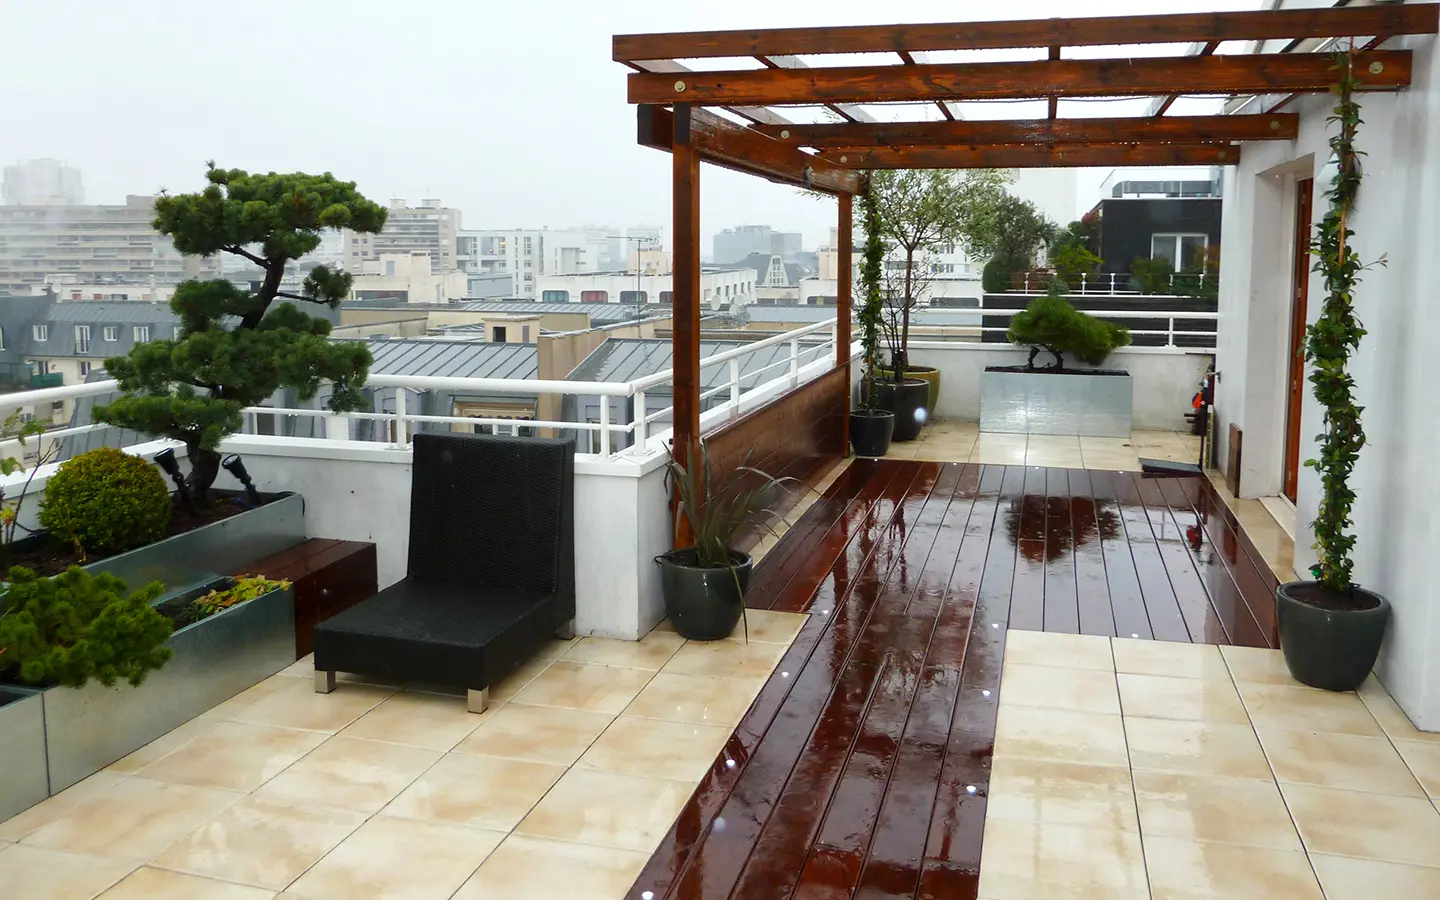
(234,348)
(1051,324)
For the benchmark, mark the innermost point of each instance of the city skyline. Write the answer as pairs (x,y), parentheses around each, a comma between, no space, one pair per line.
(515,114)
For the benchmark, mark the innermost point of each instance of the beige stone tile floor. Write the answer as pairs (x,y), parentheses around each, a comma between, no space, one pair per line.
(956,440)
(1163,771)
(563,788)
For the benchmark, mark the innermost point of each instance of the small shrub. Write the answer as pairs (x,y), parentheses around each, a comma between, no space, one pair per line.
(246,587)
(1151,276)
(995,278)
(1050,323)
(105,501)
(75,627)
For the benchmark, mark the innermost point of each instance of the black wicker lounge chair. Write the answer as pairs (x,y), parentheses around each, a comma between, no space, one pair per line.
(491,573)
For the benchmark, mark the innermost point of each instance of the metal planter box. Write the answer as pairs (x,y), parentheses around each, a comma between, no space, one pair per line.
(86,729)
(220,548)
(24,777)
(1090,404)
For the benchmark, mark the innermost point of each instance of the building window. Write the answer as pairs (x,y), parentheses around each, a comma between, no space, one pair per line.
(41,333)
(390,267)
(84,369)
(525,334)
(82,338)
(499,334)
(667,296)
(111,333)
(555,296)
(633,296)
(594,296)
(142,333)
(1181,250)
(2,340)
(42,366)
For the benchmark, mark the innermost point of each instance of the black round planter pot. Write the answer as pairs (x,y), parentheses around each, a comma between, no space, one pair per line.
(907,401)
(1332,649)
(703,604)
(870,431)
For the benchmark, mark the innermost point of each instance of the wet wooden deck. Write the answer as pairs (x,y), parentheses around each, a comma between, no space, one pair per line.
(862,767)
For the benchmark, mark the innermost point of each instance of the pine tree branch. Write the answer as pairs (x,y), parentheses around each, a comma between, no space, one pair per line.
(289,296)
(258,260)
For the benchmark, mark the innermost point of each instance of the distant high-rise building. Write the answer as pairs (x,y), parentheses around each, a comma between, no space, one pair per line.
(430,227)
(524,254)
(94,244)
(734,244)
(42,182)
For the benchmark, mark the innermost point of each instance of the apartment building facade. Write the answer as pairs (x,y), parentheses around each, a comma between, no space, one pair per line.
(431,228)
(93,244)
(525,255)
(42,182)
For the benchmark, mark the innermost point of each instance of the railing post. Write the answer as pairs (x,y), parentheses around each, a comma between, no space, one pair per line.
(605,426)
(794,362)
(1082,282)
(1112,282)
(638,435)
(1170,337)
(735,387)
(1027,282)
(400,439)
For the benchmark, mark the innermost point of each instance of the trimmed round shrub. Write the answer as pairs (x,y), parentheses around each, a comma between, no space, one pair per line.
(105,501)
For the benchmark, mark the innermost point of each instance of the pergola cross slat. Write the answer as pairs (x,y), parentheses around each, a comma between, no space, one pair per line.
(831,157)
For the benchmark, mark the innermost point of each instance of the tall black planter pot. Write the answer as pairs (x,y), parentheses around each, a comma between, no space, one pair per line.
(870,431)
(907,401)
(703,604)
(1332,649)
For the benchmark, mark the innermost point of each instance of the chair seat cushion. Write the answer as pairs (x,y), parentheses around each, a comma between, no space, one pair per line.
(440,633)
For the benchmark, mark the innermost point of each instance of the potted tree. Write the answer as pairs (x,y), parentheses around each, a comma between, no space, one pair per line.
(919,212)
(704,584)
(1331,629)
(871,425)
(1054,399)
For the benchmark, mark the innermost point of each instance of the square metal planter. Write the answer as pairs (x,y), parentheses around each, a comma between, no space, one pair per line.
(1089,404)
(24,776)
(88,728)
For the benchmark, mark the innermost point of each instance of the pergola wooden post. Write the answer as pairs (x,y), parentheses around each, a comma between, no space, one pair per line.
(829,158)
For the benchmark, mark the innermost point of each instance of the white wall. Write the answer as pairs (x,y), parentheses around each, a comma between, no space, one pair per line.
(1164,380)
(1398,215)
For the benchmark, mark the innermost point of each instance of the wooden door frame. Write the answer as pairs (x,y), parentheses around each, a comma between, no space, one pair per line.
(1299,303)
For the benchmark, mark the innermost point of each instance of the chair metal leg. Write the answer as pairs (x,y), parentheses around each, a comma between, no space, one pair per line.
(566,632)
(477,701)
(324,681)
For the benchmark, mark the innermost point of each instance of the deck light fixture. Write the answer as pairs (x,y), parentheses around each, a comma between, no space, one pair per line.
(165,459)
(236,467)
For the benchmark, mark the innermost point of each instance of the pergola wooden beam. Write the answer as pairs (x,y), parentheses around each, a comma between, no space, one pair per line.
(1258,25)
(1177,129)
(1263,73)
(723,143)
(1037,156)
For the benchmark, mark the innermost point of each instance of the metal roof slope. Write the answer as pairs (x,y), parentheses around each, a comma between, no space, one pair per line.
(453,359)
(619,360)
(119,312)
(598,312)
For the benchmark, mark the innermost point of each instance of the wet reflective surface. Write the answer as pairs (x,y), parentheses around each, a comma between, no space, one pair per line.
(863,768)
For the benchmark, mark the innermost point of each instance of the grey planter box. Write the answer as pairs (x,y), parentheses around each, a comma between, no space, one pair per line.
(1043,403)
(220,548)
(24,778)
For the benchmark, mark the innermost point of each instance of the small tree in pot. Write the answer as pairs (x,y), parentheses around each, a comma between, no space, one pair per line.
(704,584)
(872,425)
(1051,324)
(1331,629)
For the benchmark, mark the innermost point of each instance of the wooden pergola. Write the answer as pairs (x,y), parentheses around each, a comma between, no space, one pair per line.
(722,97)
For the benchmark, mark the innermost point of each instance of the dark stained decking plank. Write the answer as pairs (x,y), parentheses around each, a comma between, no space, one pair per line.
(1161,608)
(1062,609)
(1191,595)
(1127,603)
(1092,585)
(1027,605)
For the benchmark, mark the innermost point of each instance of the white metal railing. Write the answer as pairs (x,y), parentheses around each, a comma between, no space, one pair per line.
(1115,283)
(810,352)
(1169,332)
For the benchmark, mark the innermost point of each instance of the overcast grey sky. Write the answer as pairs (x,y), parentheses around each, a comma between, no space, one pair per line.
(511,111)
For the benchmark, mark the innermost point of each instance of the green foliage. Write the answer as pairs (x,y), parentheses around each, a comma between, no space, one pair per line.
(235,348)
(871,271)
(1050,323)
(76,627)
(1011,230)
(921,210)
(995,278)
(1329,342)
(106,500)
(719,506)
(1071,256)
(1151,276)
(246,587)
(1201,275)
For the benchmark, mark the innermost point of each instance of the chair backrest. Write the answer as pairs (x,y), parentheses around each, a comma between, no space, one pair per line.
(493,511)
